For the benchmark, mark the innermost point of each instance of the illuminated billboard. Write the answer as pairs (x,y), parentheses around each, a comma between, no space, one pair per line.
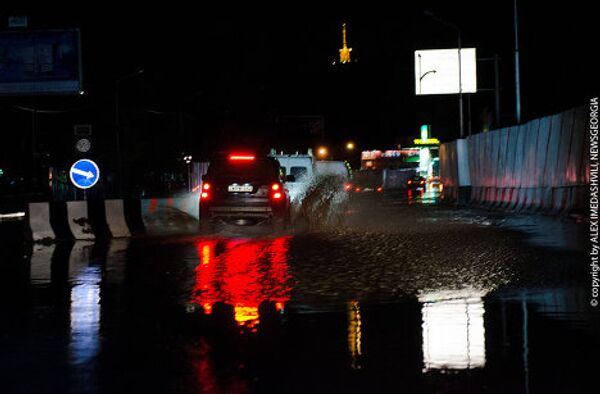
(436,71)
(40,62)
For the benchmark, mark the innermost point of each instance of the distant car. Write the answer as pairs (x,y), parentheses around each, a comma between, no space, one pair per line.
(415,182)
(365,181)
(243,188)
(358,188)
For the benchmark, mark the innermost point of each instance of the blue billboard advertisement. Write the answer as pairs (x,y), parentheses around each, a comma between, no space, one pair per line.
(40,62)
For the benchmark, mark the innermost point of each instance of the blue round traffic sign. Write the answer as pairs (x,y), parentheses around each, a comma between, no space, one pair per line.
(84,173)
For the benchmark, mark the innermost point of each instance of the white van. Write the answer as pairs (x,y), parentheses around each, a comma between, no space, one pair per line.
(301,167)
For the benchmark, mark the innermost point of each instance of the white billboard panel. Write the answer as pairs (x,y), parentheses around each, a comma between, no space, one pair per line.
(436,71)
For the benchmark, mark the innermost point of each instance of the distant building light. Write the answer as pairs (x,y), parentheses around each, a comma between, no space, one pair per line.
(428,141)
(425,132)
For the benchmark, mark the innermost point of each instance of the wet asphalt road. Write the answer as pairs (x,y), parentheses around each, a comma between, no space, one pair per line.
(403,296)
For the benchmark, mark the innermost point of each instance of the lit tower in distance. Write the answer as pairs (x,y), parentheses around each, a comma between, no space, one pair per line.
(344,51)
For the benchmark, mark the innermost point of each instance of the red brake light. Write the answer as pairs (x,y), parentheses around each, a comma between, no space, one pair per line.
(277,196)
(422,182)
(241,157)
(357,190)
(205,195)
(347,186)
(275,186)
(409,181)
(379,189)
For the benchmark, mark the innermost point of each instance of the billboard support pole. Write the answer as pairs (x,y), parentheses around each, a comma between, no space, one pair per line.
(460,90)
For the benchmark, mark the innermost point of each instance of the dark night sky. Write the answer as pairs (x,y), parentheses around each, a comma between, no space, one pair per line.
(233,77)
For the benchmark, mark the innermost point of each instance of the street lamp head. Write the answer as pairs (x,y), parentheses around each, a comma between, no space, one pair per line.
(350,145)
(322,152)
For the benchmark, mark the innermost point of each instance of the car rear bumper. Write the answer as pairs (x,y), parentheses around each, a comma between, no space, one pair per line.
(239,212)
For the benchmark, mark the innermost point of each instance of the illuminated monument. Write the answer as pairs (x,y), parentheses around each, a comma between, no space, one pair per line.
(344,51)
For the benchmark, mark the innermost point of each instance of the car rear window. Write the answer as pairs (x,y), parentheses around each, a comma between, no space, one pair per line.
(258,169)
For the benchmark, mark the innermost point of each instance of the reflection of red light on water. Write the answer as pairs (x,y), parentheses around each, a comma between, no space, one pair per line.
(243,274)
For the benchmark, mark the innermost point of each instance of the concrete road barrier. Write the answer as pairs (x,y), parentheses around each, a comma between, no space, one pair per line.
(115,217)
(539,166)
(79,222)
(39,221)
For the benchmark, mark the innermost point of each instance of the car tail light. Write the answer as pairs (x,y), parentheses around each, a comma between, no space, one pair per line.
(347,186)
(379,189)
(276,193)
(410,181)
(357,189)
(422,182)
(204,196)
(205,186)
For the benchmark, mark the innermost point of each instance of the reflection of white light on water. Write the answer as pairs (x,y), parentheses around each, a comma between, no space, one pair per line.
(85,316)
(453,330)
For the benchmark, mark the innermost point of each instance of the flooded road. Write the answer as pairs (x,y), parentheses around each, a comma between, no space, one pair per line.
(401,297)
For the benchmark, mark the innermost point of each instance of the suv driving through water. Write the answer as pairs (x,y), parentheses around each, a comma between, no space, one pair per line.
(243,189)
